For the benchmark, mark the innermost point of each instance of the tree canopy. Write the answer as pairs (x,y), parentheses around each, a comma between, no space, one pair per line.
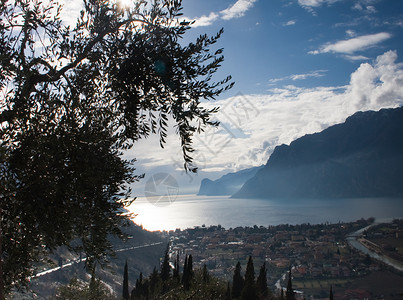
(72,100)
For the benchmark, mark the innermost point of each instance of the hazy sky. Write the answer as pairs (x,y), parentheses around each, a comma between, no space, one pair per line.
(299,67)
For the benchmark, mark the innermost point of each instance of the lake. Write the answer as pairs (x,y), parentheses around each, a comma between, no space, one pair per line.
(187,211)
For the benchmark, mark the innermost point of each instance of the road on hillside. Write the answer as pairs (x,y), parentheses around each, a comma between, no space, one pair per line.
(70,263)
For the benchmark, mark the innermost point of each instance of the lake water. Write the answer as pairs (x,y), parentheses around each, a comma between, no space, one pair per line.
(187,211)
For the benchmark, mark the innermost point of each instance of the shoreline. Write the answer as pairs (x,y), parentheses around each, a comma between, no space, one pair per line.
(357,241)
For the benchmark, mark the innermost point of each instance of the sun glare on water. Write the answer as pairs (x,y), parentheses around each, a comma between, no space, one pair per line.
(166,215)
(150,216)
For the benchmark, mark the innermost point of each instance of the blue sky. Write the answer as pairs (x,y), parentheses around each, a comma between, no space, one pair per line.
(299,67)
(322,41)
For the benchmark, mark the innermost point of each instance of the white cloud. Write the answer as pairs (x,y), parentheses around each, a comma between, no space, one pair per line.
(355,57)
(311,3)
(350,33)
(355,44)
(364,6)
(313,74)
(315,3)
(376,85)
(290,23)
(255,124)
(238,9)
(358,6)
(316,74)
(371,9)
(206,20)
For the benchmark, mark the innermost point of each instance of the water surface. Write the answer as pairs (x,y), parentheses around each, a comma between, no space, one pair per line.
(187,211)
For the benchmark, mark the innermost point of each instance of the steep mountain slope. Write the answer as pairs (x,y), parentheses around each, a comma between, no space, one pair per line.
(227,184)
(362,157)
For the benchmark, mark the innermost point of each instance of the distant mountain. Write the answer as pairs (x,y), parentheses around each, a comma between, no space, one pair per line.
(227,184)
(362,157)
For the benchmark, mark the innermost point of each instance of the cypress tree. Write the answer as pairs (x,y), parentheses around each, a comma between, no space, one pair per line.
(176,274)
(93,281)
(237,282)
(154,280)
(331,293)
(190,268)
(125,293)
(165,268)
(135,292)
(228,292)
(289,294)
(206,276)
(261,281)
(139,285)
(185,270)
(249,291)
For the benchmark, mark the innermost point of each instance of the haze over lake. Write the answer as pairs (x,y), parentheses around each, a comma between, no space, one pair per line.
(187,211)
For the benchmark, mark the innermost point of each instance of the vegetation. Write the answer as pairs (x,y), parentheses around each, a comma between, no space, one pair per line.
(249,288)
(199,284)
(289,294)
(261,283)
(126,283)
(381,281)
(237,281)
(72,99)
(79,290)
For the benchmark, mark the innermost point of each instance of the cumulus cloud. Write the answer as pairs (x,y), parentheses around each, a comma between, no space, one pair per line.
(376,85)
(353,45)
(255,124)
(252,125)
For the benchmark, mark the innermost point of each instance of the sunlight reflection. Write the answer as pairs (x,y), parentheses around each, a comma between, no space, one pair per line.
(153,217)
(149,216)
(191,210)
(186,211)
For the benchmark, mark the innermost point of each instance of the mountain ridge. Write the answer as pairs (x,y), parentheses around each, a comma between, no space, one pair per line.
(227,184)
(362,157)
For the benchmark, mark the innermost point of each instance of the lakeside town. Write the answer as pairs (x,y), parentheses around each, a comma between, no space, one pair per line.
(320,256)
